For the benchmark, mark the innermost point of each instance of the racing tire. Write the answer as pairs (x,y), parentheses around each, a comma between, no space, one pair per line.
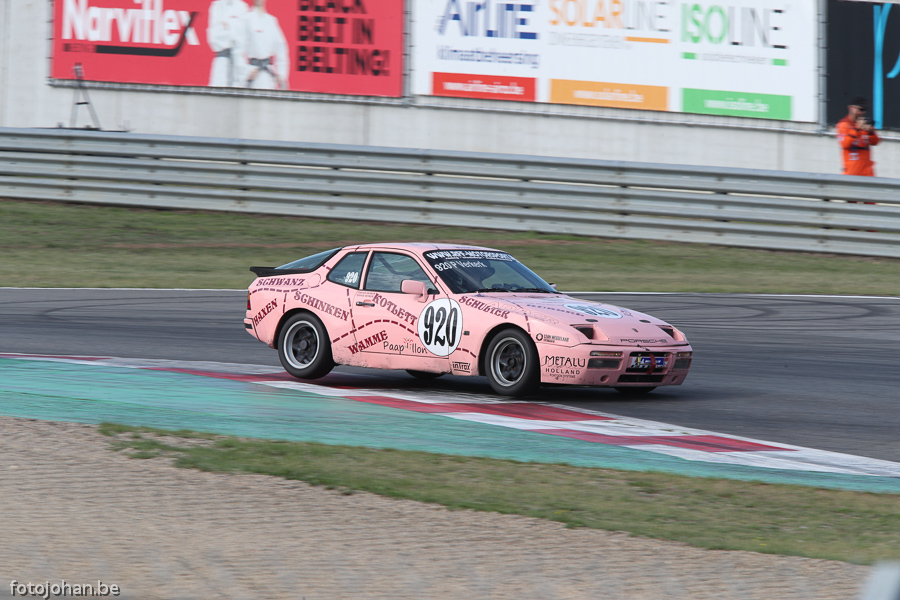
(423,374)
(512,364)
(635,391)
(304,348)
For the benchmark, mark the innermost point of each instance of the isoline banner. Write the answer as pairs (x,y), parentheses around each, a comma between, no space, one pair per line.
(328,46)
(742,58)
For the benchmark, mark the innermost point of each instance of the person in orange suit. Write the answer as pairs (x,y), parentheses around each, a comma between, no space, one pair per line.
(856,135)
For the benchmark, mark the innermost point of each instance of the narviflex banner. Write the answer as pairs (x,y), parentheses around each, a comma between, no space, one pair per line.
(755,58)
(329,46)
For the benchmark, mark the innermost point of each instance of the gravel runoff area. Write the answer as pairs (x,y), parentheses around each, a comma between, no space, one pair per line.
(71,509)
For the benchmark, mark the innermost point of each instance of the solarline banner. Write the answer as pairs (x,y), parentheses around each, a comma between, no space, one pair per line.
(750,58)
(328,46)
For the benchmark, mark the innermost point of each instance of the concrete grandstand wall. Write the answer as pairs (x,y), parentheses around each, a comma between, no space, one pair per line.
(29,98)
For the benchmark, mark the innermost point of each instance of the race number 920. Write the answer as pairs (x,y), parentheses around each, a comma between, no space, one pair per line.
(440,326)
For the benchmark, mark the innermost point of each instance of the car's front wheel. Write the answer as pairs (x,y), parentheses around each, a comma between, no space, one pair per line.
(304,347)
(511,363)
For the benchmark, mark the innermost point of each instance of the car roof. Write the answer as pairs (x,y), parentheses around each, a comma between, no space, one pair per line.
(417,247)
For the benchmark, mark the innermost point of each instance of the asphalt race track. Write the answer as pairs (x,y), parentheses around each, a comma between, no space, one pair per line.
(812,371)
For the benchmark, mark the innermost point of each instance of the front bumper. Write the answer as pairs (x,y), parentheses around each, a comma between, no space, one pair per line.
(615,366)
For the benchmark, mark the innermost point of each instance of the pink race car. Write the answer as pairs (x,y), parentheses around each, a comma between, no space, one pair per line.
(438,308)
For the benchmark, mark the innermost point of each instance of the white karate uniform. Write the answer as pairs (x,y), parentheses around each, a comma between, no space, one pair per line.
(264,45)
(224,36)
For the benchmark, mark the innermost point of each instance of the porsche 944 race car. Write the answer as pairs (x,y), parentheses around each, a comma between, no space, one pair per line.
(432,309)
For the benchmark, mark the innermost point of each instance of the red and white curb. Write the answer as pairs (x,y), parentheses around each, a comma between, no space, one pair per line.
(538,417)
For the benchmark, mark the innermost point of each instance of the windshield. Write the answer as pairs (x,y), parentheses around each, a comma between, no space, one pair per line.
(467,271)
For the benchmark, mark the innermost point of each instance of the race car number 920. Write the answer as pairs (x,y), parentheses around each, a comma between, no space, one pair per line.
(440,326)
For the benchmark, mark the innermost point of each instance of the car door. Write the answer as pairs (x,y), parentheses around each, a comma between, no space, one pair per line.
(389,330)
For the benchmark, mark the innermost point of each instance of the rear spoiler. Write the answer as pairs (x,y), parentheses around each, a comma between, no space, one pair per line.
(272,271)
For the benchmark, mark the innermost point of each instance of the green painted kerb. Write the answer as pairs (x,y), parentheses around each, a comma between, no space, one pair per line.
(56,391)
(736,104)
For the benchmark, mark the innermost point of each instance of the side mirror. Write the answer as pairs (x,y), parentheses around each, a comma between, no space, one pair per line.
(553,285)
(416,288)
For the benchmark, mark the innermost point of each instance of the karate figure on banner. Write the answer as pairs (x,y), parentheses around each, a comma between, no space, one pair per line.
(223,35)
(266,50)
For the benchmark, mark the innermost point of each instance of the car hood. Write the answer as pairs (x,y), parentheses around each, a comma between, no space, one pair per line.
(599,322)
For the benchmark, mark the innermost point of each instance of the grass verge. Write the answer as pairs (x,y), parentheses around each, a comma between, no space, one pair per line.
(719,514)
(60,245)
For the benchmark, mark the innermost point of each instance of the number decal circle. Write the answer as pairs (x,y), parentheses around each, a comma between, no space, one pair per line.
(594,310)
(441,326)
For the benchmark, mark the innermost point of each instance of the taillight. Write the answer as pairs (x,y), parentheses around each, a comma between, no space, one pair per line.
(248,300)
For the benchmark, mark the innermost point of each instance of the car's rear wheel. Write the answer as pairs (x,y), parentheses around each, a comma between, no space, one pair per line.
(304,347)
(423,374)
(511,363)
(635,391)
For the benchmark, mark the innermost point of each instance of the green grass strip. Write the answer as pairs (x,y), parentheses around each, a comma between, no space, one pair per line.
(59,245)
(719,514)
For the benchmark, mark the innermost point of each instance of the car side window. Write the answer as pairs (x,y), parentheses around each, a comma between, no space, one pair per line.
(348,270)
(387,271)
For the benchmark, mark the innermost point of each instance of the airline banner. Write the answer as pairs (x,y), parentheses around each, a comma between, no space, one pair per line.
(755,58)
(328,46)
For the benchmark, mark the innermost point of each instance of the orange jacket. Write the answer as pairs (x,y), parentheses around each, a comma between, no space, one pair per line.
(855,144)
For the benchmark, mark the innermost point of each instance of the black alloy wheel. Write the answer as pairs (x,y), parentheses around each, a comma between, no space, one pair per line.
(511,363)
(304,348)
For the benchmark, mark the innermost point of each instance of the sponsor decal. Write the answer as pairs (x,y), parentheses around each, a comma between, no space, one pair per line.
(550,339)
(467,255)
(440,326)
(563,367)
(395,310)
(409,346)
(643,341)
(594,310)
(323,306)
(164,31)
(490,309)
(488,87)
(564,361)
(460,264)
(265,311)
(461,366)
(488,18)
(292,281)
(368,342)
(615,95)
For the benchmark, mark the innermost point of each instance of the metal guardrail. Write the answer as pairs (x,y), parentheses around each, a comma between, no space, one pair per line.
(736,207)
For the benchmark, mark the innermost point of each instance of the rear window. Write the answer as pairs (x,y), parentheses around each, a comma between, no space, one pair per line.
(310,262)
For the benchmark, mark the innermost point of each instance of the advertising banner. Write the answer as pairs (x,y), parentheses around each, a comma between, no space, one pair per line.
(864,60)
(750,58)
(328,46)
